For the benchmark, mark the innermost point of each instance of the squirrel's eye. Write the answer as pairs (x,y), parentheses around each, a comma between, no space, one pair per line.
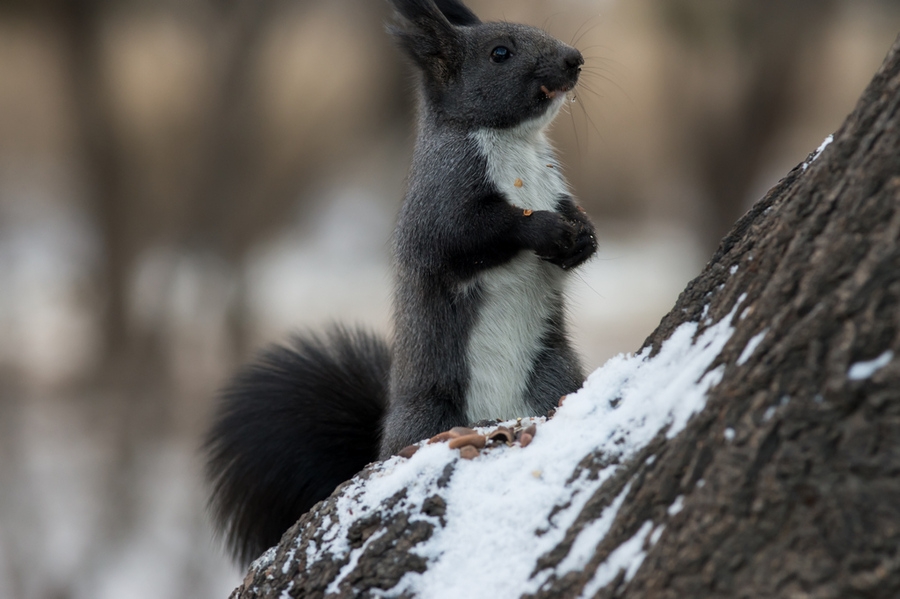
(500,53)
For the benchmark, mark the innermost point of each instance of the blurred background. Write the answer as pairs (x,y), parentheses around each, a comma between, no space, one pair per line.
(182,181)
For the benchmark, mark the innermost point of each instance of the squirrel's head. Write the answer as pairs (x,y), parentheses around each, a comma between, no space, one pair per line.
(476,74)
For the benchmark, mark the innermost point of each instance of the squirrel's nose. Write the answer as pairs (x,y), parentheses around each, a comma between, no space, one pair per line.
(572,60)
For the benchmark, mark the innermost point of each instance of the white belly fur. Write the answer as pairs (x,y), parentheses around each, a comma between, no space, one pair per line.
(517,296)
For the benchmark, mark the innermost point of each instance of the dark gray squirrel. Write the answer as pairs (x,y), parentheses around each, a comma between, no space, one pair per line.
(485,239)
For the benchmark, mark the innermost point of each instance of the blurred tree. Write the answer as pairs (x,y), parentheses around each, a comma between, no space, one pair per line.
(211,180)
(120,203)
(738,91)
(203,178)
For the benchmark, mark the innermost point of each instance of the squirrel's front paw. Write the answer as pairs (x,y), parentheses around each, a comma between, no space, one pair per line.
(585,240)
(564,242)
(583,248)
(552,235)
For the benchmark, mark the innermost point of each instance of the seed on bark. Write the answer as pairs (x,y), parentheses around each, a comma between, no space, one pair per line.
(474,440)
(525,439)
(501,435)
(441,437)
(460,431)
(468,452)
(408,451)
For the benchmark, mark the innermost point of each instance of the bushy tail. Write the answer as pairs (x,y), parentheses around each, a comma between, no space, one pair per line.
(290,428)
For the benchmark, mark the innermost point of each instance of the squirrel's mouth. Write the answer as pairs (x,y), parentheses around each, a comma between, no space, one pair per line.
(551,93)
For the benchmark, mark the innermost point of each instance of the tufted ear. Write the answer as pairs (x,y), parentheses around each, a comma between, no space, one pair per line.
(427,33)
(455,12)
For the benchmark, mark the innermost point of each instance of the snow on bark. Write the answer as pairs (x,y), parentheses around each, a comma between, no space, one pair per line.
(516,504)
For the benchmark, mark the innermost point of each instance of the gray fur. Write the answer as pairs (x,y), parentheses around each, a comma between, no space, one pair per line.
(478,311)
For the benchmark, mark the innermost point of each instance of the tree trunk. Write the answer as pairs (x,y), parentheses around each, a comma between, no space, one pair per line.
(785,482)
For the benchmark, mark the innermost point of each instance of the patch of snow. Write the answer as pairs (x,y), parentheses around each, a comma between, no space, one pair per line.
(628,556)
(863,370)
(311,551)
(620,409)
(354,559)
(657,533)
(265,560)
(676,506)
(770,411)
(818,151)
(751,347)
(288,559)
(734,268)
(286,593)
(822,147)
(586,543)
(728,434)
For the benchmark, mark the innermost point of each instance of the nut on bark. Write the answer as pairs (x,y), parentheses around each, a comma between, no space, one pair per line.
(440,437)
(461,431)
(469,452)
(501,435)
(475,440)
(408,451)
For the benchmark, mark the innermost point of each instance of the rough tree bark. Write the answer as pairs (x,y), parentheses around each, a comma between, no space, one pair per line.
(789,478)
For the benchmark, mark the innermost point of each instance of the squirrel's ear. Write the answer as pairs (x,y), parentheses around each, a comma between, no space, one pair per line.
(457,12)
(454,11)
(427,33)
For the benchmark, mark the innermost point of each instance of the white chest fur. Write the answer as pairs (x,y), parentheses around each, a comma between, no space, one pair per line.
(523,166)
(519,296)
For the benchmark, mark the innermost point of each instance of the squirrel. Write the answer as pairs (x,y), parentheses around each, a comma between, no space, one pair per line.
(485,239)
